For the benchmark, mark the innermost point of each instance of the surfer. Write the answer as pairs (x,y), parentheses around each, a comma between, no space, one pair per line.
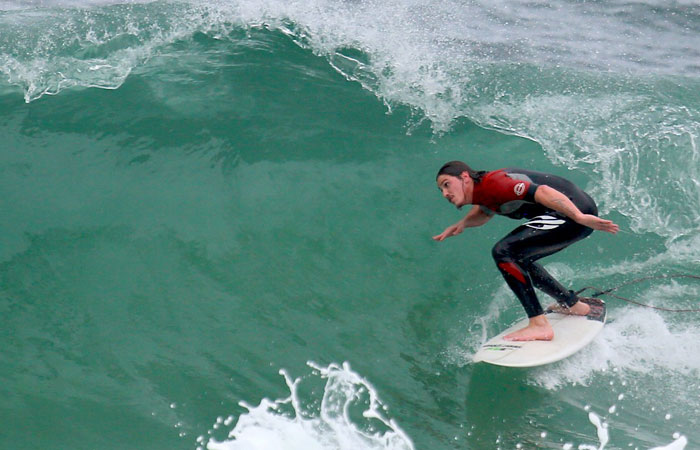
(558,213)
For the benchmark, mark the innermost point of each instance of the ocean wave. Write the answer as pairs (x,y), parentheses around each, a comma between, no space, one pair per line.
(436,48)
(579,79)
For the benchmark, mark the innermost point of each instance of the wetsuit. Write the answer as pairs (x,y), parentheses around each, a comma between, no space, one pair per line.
(511,193)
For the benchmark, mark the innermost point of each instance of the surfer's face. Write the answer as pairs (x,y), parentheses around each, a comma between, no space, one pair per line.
(454,188)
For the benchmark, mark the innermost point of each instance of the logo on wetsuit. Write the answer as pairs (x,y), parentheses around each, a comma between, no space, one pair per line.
(544,223)
(519,189)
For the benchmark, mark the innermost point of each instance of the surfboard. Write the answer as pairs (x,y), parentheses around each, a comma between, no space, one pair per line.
(571,334)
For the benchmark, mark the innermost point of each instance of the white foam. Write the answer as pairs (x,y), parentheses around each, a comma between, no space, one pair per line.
(603,434)
(651,179)
(481,328)
(268,427)
(684,252)
(678,444)
(635,340)
(94,43)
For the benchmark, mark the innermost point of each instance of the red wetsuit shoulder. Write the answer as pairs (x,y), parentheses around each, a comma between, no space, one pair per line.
(497,188)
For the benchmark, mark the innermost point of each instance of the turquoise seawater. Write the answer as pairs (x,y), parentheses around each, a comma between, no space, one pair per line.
(216,222)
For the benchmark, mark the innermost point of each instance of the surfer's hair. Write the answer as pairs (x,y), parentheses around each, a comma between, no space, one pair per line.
(455,169)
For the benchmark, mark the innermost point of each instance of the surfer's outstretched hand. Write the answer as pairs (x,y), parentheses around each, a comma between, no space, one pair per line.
(599,224)
(452,230)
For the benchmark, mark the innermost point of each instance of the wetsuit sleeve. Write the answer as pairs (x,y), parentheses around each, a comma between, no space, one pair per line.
(486,210)
(530,194)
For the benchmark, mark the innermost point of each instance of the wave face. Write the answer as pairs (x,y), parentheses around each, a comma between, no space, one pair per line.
(199,195)
(600,87)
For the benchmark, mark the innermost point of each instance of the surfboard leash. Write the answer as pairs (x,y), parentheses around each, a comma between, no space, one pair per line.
(598,292)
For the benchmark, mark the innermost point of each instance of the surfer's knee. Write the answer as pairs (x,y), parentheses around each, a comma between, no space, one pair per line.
(505,262)
(501,251)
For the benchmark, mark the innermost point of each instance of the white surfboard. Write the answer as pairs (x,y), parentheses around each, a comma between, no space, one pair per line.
(571,334)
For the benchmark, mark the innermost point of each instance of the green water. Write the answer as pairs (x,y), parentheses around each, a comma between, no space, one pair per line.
(237,207)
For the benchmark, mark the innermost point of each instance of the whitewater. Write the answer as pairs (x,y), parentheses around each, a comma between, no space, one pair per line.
(216,222)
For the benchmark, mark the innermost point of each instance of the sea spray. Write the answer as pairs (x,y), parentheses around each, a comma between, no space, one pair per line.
(635,340)
(349,416)
(603,434)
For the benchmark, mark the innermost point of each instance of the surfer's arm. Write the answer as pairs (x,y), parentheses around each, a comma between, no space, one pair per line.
(551,198)
(474,218)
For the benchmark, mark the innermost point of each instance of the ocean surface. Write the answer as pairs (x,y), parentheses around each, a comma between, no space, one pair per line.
(216,222)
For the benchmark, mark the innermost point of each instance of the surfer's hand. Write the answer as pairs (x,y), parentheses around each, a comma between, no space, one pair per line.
(452,230)
(599,224)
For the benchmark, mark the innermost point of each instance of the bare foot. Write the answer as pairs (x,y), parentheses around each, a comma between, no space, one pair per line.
(538,329)
(578,309)
(531,334)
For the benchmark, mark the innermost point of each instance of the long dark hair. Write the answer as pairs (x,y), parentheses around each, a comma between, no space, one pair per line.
(455,169)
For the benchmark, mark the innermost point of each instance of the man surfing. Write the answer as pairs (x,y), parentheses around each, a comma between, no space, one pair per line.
(558,212)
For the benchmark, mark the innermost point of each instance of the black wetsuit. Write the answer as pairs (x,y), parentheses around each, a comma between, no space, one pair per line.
(511,192)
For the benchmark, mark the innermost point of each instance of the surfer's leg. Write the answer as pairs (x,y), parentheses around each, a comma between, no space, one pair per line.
(551,241)
(515,256)
(567,300)
(527,244)
(538,327)
(518,280)
(550,286)
(515,276)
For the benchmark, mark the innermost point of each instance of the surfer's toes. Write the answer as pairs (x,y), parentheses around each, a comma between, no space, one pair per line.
(579,308)
(592,301)
(529,334)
